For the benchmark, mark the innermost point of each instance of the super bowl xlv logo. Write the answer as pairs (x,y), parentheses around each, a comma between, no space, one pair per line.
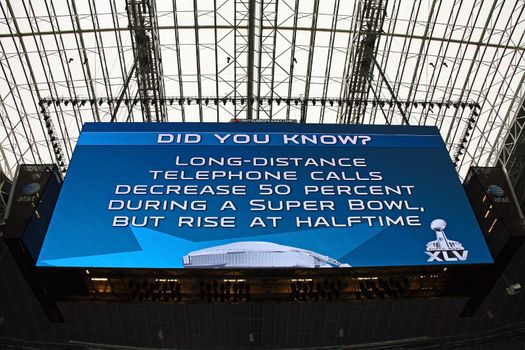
(443,249)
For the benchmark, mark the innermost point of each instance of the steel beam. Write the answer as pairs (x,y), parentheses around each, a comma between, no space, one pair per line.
(251,57)
(370,16)
(280,28)
(146,49)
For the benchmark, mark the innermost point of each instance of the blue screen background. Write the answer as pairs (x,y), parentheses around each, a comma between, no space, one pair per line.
(81,234)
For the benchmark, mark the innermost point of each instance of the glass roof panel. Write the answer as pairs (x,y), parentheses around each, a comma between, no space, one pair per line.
(286,53)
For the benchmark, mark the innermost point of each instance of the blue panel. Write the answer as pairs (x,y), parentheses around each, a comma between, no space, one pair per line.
(211,195)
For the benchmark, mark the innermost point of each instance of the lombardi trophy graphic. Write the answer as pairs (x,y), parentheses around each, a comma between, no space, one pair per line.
(443,248)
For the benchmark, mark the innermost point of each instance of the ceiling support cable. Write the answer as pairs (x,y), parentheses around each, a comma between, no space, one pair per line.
(497,69)
(251,99)
(217,108)
(241,41)
(273,50)
(506,122)
(471,77)
(293,60)
(443,49)
(387,47)
(328,68)
(311,50)
(106,77)
(379,105)
(84,56)
(413,86)
(178,51)
(198,57)
(392,92)
(16,95)
(349,57)
(122,60)
(61,123)
(459,58)
(50,81)
(123,92)
(460,143)
(32,83)
(405,51)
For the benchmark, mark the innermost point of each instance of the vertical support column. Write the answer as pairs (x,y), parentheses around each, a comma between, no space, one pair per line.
(146,48)
(369,16)
(264,52)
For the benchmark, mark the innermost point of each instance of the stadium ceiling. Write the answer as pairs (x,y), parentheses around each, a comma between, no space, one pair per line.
(458,65)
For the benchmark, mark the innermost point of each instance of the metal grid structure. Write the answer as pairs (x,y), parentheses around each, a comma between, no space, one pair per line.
(457,65)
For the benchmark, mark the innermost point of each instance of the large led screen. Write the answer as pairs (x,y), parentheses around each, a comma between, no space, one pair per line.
(261,195)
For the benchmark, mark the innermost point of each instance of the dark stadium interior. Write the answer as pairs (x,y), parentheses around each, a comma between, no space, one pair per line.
(499,323)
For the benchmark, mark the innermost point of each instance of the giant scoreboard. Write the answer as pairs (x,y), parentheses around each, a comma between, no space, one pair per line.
(261,195)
